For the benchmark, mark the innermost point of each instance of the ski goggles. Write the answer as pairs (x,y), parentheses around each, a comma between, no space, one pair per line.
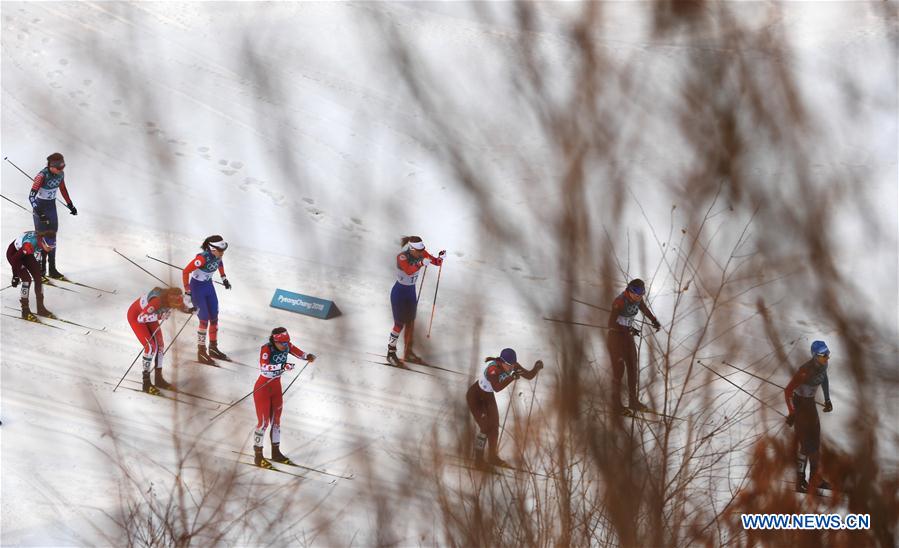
(825,354)
(57,165)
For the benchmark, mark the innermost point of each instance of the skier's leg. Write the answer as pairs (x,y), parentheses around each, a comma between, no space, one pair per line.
(614,346)
(214,327)
(492,422)
(630,360)
(277,407)
(262,401)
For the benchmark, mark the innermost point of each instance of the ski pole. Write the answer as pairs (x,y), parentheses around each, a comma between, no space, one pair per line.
(421,288)
(138,266)
(176,266)
(760,378)
(295,378)
(152,336)
(778,411)
(17,204)
(502,428)
(178,334)
(434,306)
(243,398)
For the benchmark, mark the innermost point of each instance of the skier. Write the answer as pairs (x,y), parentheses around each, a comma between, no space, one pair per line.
(23,255)
(497,374)
(145,316)
(197,280)
(43,204)
(267,393)
(620,341)
(403,300)
(803,414)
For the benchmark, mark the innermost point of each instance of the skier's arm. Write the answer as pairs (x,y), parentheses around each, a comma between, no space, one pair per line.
(648,314)
(65,194)
(436,261)
(799,378)
(524,373)
(295,351)
(225,281)
(825,385)
(403,264)
(617,307)
(38,182)
(498,377)
(194,264)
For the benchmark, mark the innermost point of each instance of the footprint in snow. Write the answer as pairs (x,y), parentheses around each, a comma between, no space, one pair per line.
(203,149)
(309,200)
(63,62)
(236,165)
(228,172)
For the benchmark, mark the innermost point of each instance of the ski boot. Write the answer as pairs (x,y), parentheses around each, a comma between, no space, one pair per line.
(215,352)
(55,274)
(824,484)
(259,460)
(392,358)
(147,387)
(26,311)
(638,407)
(496,461)
(41,309)
(202,356)
(161,382)
(411,356)
(277,456)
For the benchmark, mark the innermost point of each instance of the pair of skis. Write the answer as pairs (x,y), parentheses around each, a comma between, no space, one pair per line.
(328,476)
(402,364)
(51,282)
(42,320)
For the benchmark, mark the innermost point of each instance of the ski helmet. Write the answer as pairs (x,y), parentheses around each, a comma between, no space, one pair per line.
(56,160)
(508,355)
(280,335)
(636,286)
(820,349)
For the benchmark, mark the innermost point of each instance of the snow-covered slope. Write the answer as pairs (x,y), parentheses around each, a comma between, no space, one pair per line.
(281,128)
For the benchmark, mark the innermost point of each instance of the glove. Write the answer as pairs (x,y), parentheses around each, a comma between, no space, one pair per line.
(442,254)
(226,283)
(187,300)
(828,407)
(538,365)
(426,261)
(288,366)
(165,314)
(791,418)
(634,332)
(310,357)
(72,209)
(656,325)
(42,216)
(15,281)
